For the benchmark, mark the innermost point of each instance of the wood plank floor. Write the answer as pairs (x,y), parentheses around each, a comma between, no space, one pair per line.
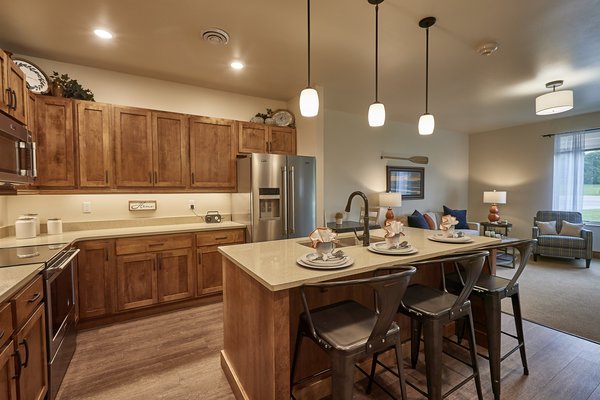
(175,356)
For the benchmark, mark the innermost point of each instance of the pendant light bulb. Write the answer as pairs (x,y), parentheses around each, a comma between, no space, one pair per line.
(309,102)
(309,97)
(376,114)
(426,124)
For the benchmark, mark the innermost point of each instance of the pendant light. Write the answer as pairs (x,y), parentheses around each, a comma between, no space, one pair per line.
(426,122)
(309,98)
(554,102)
(377,109)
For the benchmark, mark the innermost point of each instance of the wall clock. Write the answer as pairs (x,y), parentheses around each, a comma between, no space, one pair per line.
(37,80)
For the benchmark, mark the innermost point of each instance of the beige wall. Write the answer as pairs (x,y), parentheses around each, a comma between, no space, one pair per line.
(520,161)
(3,212)
(352,162)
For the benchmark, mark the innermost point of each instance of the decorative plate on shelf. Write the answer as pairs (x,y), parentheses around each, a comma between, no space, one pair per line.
(37,80)
(283,118)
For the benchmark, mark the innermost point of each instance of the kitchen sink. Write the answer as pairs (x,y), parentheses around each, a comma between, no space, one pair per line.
(347,241)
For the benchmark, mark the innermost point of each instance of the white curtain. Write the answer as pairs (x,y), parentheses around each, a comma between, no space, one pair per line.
(568,172)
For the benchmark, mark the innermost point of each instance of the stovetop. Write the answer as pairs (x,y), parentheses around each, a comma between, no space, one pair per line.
(13,256)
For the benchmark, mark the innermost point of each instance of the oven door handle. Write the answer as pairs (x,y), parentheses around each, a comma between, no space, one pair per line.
(66,262)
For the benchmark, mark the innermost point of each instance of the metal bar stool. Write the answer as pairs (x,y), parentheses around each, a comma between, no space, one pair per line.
(492,289)
(429,310)
(349,331)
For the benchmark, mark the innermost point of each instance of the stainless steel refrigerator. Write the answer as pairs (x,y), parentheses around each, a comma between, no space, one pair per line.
(276,196)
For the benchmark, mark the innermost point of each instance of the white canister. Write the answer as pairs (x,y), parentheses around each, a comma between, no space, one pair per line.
(25,228)
(54,226)
(37,222)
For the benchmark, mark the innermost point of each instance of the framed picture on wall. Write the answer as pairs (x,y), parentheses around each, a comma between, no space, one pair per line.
(409,181)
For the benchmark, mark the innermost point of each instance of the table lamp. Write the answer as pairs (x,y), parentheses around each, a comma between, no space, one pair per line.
(389,200)
(494,198)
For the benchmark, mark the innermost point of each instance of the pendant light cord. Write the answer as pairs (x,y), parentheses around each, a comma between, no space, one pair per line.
(377,53)
(308,17)
(426,70)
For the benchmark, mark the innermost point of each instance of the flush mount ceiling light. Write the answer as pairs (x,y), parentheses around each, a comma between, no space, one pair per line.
(426,122)
(488,48)
(103,33)
(237,65)
(309,98)
(554,102)
(377,109)
(215,36)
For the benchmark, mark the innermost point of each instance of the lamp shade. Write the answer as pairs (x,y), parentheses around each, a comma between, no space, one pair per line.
(376,114)
(309,102)
(426,124)
(554,102)
(494,197)
(389,199)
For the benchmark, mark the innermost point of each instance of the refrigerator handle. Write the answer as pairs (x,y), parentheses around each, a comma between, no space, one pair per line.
(292,196)
(284,201)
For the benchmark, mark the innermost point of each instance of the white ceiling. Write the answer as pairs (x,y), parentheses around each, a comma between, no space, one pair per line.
(540,41)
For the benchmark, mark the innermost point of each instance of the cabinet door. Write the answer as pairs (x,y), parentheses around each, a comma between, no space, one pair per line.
(5,95)
(31,111)
(252,137)
(31,345)
(282,140)
(95,281)
(92,122)
(169,134)
(175,275)
(17,83)
(8,385)
(210,270)
(55,142)
(133,147)
(136,281)
(213,147)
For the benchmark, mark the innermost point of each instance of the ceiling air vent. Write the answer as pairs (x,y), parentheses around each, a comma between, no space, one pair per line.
(215,36)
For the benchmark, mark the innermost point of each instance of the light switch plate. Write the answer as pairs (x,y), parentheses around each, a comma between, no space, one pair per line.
(86,207)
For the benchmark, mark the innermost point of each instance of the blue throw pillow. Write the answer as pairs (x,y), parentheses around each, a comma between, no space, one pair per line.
(417,220)
(460,215)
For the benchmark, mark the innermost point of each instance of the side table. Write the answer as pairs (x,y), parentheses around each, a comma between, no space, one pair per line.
(502,259)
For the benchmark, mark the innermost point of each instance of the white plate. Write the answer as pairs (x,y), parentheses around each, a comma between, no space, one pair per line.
(381,248)
(443,239)
(348,263)
(321,262)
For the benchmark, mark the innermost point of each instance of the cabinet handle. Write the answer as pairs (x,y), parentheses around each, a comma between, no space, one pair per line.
(106,176)
(155,177)
(106,254)
(16,100)
(19,364)
(193,178)
(2,334)
(221,238)
(24,343)
(150,176)
(34,298)
(199,258)
(156,244)
(10,99)
(268,147)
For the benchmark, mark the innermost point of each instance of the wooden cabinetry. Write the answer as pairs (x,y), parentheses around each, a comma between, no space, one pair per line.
(213,148)
(175,278)
(92,123)
(136,281)
(8,384)
(30,343)
(170,149)
(209,267)
(94,278)
(55,142)
(14,93)
(261,138)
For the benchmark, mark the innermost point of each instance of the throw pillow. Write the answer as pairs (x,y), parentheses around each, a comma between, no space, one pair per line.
(416,220)
(460,215)
(571,229)
(429,221)
(547,227)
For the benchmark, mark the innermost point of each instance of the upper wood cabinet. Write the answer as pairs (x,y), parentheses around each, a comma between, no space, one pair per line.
(170,144)
(55,142)
(261,138)
(213,148)
(13,99)
(92,122)
(95,278)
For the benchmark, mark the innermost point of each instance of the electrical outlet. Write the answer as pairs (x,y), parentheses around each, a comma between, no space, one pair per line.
(192,204)
(86,207)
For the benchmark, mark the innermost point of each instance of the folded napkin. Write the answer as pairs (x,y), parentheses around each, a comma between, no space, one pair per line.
(448,222)
(321,235)
(393,228)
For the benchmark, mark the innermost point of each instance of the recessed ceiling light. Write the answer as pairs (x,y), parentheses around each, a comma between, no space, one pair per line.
(237,65)
(102,33)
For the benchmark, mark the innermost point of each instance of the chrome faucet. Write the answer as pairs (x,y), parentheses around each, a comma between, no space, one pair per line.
(365,236)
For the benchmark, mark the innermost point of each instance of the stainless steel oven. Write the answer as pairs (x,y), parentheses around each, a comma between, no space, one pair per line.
(17,152)
(60,315)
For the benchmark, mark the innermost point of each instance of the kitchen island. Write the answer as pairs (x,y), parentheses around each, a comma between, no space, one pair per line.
(262,304)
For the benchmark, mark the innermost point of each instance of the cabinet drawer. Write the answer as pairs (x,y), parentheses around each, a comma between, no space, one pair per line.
(6,325)
(219,237)
(27,300)
(152,243)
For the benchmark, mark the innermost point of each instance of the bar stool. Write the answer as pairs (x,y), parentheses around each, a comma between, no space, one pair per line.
(349,331)
(491,289)
(429,310)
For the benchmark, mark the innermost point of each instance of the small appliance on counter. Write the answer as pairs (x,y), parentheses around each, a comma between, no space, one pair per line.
(36,218)
(212,217)
(54,226)
(25,228)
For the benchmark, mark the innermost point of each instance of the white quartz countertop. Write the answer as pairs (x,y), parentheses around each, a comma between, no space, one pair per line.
(273,264)
(12,279)
(74,236)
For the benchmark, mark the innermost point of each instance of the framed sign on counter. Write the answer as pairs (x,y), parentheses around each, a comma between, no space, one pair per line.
(408,181)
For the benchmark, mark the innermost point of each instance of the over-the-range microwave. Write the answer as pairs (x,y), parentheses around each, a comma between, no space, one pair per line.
(17,152)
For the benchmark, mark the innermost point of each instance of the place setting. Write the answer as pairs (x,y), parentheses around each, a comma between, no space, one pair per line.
(325,256)
(393,244)
(448,234)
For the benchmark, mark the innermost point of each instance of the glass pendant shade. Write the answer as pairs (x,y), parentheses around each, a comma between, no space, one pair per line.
(426,124)
(376,114)
(309,102)
(554,102)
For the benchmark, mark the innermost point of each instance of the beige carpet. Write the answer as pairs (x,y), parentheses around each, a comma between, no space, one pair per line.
(561,294)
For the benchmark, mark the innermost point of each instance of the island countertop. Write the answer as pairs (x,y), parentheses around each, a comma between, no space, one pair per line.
(273,263)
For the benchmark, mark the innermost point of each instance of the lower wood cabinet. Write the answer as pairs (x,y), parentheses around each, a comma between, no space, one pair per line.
(210,268)
(32,367)
(8,385)
(175,275)
(136,281)
(94,278)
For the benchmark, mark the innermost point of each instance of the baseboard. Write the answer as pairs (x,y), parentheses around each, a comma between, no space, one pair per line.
(234,382)
(596,254)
